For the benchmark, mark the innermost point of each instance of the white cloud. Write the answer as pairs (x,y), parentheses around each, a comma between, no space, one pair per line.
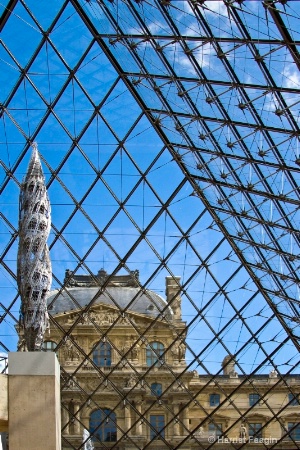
(291,78)
(214,7)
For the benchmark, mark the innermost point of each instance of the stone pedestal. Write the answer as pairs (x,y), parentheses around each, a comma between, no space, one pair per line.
(34,401)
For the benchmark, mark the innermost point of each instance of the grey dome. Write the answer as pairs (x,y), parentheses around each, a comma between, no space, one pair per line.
(145,302)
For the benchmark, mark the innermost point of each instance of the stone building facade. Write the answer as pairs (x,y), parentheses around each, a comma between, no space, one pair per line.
(125,378)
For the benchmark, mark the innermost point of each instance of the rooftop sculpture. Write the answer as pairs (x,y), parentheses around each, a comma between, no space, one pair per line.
(34,273)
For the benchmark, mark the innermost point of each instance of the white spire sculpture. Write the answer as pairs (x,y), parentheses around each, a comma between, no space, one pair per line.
(34,267)
(86,439)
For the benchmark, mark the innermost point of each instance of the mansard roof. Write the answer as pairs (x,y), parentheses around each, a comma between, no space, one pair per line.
(125,298)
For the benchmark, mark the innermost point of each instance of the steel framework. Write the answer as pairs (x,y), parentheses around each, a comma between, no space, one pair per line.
(169,130)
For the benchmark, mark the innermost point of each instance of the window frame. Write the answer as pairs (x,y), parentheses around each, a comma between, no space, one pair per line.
(254,399)
(156,389)
(103,424)
(102,354)
(255,430)
(154,353)
(157,426)
(295,433)
(214,399)
(293,399)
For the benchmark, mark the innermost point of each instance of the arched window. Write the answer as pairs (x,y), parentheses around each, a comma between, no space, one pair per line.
(156,389)
(49,346)
(103,425)
(154,352)
(102,354)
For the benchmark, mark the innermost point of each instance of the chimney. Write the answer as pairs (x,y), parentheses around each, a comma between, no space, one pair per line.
(173,295)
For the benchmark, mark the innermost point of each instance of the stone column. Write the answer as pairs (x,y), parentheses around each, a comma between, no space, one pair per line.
(173,295)
(34,401)
(77,418)
(185,421)
(65,420)
(139,425)
(176,430)
(127,414)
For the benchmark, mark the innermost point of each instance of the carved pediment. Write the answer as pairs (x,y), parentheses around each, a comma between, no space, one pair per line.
(102,315)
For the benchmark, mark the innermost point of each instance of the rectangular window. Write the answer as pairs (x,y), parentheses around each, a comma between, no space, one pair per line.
(293,399)
(157,423)
(215,429)
(253,399)
(214,399)
(294,430)
(156,389)
(255,430)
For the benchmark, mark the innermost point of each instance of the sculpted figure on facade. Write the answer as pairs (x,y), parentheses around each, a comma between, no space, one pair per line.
(131,349)
(131,382)
(70,351)
(94,383)
(176,307)
(243,431)
(178,351)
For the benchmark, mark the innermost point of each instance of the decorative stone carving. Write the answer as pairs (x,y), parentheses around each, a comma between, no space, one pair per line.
(243,431)
(70,352)
(178,351)
(131,382)
(273,374)
(178,387)
(130,349)
(94,384)
(228,365)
